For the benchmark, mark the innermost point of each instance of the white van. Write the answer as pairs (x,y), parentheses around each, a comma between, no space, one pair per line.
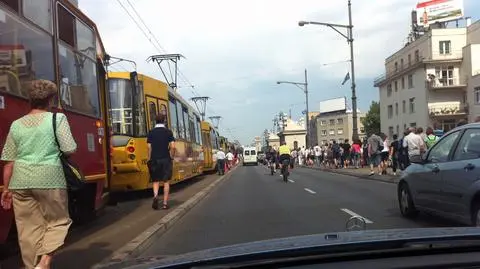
(250,156)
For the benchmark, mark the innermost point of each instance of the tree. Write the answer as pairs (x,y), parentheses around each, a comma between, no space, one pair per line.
(371,122)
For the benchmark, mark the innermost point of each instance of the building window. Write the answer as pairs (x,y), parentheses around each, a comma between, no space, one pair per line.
(390,111)
(413,124)
(389,90)
(444,75)
(396,66)
(396,109)
(404,126)
(409,59)
(396,85)
(445,47)
(323,122)
(401,63)
(390,131)
(324,132)
(403,83)
(339,121)
(404,107)
(417,56)
(331,132)
(398,129)
(410,81)
(412,105)
(340,131)
(332,122)
(476,94)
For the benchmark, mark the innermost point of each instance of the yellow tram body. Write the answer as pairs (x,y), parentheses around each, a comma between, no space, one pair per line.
(211,144)
(135,100)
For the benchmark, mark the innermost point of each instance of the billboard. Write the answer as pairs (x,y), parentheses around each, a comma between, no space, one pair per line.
(432,11)
(331,105)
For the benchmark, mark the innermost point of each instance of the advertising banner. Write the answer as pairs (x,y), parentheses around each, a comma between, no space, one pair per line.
(432,11)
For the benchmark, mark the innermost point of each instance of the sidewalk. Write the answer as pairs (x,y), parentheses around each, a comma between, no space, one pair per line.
(363,173)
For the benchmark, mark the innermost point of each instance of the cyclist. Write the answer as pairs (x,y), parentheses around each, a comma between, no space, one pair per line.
(271,157)
(284,154)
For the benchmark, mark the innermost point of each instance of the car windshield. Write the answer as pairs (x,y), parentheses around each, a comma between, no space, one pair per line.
(191,125)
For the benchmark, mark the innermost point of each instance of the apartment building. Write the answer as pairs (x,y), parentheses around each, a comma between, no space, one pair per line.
(337,126)
(433,81)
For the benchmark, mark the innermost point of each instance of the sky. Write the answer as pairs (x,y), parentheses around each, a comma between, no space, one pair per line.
(235,51)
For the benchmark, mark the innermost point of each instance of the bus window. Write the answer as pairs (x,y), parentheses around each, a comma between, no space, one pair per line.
(152,110)
(181,125)
(121,106)
(39,12)
(77,66)
(25,54)
(186,124)
(172,106)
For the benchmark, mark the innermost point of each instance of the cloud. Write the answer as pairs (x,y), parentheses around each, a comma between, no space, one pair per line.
(236,50)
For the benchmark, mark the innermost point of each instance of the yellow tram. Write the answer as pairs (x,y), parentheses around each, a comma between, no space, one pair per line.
(135,100)
(211,144)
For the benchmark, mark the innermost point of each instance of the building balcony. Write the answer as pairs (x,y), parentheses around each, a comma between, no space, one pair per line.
(447,109)
(395,73)
(437,56)
(446,83)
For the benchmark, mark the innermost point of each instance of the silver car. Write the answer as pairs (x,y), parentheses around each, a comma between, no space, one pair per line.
(445,180)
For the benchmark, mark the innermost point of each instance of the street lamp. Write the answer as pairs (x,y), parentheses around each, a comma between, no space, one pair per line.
(304,87)
(349,38)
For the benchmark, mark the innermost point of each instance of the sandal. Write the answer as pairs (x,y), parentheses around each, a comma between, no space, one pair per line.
(165,206)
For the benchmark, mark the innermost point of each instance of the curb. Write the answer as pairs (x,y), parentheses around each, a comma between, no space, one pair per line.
(145,239)
(367,177)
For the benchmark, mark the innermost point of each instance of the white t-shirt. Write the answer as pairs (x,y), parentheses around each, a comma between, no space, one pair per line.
(386,147)
(317,150)
(220,155)
(229,156)
(414,142)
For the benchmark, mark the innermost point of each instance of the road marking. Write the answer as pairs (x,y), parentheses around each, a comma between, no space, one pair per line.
(291,181)
(309,190)
(353,214)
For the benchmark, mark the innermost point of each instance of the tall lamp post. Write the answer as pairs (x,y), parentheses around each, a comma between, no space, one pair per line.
(349,38)
(304,87)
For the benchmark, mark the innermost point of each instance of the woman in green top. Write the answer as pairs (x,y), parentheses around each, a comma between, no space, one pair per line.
(34,181)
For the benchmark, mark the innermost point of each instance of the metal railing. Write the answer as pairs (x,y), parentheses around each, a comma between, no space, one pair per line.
(447,108)
(439,83)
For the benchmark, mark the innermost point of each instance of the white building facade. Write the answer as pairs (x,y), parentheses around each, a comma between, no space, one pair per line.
(431,81)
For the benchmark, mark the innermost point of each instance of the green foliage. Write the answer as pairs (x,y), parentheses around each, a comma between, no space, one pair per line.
(371,122)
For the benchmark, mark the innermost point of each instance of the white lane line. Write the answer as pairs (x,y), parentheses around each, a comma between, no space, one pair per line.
(292,181)
(353,214)
(309,190)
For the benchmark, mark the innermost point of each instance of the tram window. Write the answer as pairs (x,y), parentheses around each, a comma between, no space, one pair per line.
(172,107)
(152,110)
(192,129)
(13,4)
(25,54)
(39,12)
(187,125)
(163,110)
(121,106)
(181,125)
(198,131)
(66,26)
(85,39)
(79,85)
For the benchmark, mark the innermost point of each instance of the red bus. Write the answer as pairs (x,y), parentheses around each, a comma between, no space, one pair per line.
(54,40)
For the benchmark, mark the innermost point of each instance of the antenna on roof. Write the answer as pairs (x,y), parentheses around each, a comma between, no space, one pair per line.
(159,59)
(201,104)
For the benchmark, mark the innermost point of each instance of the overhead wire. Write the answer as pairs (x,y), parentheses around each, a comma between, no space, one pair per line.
(157,44)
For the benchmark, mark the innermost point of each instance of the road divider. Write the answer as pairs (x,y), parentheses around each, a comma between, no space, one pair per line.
(309,190)
(353,214)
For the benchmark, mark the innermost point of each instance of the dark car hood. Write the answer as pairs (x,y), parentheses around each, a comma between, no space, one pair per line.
(319,241)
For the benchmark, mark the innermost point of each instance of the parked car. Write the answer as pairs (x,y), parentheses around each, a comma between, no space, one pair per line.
(445,180)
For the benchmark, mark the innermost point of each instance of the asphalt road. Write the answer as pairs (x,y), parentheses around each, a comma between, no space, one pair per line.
(252,205)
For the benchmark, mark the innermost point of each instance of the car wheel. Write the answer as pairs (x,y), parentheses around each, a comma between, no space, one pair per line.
(405,201)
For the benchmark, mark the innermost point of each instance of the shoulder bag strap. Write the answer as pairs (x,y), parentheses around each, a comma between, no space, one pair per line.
(54,123)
